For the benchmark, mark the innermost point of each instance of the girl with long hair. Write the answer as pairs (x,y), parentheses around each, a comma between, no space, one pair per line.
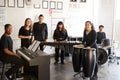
(26,33)
(89,41)
(60,34)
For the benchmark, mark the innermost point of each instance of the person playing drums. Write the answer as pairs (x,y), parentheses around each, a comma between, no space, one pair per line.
(89,41)
(100,35)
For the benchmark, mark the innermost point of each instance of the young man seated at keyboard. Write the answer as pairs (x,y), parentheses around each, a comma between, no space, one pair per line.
(6,52)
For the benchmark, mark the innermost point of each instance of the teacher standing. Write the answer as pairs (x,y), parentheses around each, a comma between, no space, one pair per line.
(89,41)
(40,31)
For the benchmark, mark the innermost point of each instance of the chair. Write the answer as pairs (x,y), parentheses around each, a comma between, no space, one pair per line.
(3,71)
(4,67)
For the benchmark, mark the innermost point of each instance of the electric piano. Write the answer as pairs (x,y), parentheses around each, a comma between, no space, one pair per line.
(39,60)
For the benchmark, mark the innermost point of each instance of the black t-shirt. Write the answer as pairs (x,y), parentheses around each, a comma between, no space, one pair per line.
(40,31)
(23,32)
(90,39)
(6,43)
(100,37)
(60,35)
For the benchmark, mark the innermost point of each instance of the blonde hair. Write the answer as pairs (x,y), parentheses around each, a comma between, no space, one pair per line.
(26,22)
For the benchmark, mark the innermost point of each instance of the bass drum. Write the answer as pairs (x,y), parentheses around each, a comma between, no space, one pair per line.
(105,42)
(102,56)
(77,58)
(89,61)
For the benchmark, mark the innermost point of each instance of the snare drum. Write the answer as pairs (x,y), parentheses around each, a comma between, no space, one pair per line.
(102,56)
(77,58)
(89,61)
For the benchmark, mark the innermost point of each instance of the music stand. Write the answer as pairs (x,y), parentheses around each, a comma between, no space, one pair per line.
(34,46)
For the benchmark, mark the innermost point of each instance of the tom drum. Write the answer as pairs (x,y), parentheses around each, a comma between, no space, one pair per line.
(102,56)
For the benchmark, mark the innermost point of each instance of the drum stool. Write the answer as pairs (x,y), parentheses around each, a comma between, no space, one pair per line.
(4,67)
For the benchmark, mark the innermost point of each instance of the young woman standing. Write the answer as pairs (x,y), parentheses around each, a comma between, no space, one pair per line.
(26,33)
(60,34)
(89,41)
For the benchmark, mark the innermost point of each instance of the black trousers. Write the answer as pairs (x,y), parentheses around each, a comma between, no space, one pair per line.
(41,47)
(15,61)
(57,55)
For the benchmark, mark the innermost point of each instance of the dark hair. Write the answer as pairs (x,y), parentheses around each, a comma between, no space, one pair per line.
(60,23)
(90,24)
(7,25)
(26,21)
(101,26)
(41,15)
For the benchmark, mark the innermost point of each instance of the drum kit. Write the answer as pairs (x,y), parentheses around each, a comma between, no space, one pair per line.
(104,50)
(84,59)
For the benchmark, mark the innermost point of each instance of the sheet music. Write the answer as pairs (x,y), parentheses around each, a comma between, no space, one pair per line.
(32,45)
(36,46)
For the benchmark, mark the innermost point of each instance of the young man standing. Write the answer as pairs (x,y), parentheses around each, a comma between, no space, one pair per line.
(40,31)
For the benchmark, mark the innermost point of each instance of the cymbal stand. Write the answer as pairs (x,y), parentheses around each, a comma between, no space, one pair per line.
(113,57)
